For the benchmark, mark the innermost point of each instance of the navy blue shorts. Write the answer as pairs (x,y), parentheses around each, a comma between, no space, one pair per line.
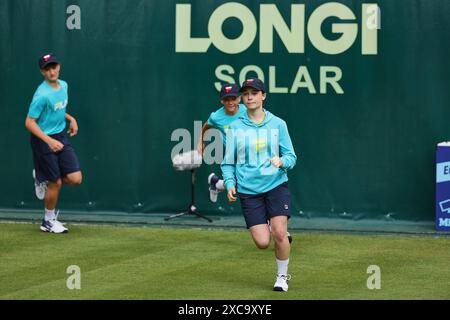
(49,165)
(260,208)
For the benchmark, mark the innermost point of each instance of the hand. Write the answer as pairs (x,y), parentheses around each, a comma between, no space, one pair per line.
(55,145)
(277,162)
(230,195)
(73,127)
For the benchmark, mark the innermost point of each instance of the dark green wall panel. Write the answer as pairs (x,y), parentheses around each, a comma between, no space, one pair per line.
(367,152)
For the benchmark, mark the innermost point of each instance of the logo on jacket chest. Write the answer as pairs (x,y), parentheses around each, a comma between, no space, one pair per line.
(260,144)
(60,105)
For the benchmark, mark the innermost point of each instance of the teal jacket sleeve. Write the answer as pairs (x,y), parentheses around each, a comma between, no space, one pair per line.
(228,165)
(287,153)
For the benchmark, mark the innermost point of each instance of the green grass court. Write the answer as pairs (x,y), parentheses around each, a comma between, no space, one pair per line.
(179,263)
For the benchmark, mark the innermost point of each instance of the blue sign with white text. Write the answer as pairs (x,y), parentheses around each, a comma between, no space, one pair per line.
(443,186)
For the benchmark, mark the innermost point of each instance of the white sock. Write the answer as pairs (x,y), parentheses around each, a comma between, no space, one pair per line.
(49,214)
(220,185)
(282,266)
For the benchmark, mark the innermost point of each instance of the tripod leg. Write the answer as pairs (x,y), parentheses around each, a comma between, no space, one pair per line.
(175,215)
(193,210)
(202,216)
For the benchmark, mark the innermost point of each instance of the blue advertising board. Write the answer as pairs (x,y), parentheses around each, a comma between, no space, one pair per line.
(443,186)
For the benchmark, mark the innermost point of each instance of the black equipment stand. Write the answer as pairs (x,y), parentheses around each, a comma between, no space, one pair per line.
(191,209)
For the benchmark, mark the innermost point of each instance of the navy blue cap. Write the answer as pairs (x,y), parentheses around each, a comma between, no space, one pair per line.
(47,59)
(254,83)
(229,90)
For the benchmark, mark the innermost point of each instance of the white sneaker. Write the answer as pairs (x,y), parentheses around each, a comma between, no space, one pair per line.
(213,195)
(53,226)
(56,219)
(213,192)
(281,283)
(39,188)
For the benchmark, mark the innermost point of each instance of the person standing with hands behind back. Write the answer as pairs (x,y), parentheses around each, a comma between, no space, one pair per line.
(55,161)
(258,154)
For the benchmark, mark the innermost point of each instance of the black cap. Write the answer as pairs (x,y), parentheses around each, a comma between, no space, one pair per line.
(254,83)
(47,59)
(229,90)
